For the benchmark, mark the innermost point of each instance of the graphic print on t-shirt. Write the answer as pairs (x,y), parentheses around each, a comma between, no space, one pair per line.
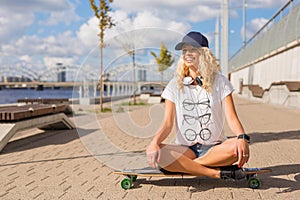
(196,117)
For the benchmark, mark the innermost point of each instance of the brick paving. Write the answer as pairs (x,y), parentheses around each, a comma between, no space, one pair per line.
(62,165)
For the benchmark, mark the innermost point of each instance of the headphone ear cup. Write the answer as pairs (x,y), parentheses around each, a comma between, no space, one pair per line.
(188,80)
(199,81)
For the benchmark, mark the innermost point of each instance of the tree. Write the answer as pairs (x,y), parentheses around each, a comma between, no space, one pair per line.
(165,60)
(105,22)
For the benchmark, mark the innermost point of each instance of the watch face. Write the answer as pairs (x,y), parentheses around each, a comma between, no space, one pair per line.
(245,137)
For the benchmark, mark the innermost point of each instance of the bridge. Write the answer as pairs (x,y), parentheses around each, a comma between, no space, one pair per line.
(118,80)
(47,75)
(36,84)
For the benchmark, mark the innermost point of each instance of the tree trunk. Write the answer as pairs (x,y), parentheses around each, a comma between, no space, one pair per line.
(101,77)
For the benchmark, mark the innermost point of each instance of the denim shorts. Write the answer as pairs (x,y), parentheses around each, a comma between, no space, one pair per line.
(200,149)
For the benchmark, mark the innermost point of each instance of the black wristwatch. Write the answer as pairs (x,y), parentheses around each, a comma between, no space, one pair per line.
(245,137)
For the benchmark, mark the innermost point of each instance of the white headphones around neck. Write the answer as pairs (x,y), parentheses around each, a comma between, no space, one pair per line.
(188,80)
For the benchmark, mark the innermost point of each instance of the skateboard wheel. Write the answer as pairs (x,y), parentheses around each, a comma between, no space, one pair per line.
(254,183)
(126,183)
(133,178)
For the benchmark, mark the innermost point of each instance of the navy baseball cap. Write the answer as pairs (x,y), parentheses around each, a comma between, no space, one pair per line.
(193,38)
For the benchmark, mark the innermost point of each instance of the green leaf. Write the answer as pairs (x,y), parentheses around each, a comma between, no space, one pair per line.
(165,60)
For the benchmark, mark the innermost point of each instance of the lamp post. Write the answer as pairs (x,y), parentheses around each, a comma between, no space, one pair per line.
(224,58)
(244,22)
(217,35)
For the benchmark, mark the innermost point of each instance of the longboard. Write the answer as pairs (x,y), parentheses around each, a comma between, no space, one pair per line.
(131,175)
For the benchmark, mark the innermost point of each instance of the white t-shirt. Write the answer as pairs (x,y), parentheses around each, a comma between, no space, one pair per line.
(199,115)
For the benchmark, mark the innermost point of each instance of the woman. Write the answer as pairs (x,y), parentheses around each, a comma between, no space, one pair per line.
(196,98)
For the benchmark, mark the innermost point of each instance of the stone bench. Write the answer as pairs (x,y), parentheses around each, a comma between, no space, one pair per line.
(18,118)
(44,101)
(256,90)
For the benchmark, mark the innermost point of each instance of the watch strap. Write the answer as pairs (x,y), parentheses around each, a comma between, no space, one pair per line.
(245,137)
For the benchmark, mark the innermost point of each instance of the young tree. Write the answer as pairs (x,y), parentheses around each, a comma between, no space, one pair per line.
(165,60)
(105,22)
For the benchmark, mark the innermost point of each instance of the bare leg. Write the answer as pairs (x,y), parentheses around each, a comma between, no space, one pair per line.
(220,155)
(182,159)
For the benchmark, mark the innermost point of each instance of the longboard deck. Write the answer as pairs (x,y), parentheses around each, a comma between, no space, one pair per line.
(146,172)
(131,175)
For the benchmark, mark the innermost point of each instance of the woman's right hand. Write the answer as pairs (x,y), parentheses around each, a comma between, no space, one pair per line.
(153,154)
(153,150)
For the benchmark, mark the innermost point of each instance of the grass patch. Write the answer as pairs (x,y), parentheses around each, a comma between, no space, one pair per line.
(106,110)
(141,103)
(120,109)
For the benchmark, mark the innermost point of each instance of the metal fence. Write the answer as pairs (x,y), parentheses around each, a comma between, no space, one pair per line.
(278,32)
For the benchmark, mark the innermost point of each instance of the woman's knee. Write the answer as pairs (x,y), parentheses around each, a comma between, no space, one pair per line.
(231,143)
(170,154)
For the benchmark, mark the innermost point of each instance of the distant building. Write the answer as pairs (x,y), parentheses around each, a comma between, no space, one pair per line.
(6,79)
(61,72)
(142,75)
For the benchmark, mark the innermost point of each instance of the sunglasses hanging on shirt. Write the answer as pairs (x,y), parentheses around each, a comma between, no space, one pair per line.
(188,80)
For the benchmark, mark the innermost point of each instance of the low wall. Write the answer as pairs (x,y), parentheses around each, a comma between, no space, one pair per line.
(277,94)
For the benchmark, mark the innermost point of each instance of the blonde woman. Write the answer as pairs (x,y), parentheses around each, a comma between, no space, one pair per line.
(196,101)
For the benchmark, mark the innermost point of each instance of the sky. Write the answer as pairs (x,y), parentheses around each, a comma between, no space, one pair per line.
(35,35)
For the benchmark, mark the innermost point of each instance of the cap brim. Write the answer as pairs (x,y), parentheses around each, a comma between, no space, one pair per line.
(180,44)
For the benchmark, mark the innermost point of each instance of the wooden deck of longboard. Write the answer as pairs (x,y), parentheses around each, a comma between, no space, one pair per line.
(157,173)
(256,170)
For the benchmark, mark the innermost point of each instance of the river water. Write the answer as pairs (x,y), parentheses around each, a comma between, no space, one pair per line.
(8,96)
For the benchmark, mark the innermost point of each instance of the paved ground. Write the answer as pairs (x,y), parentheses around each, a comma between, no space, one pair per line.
(62,165)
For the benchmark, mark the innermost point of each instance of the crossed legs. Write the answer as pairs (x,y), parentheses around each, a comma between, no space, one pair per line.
(181,159)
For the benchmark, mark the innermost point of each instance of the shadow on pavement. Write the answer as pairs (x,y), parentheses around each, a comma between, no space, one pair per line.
(271,136)
(56,137)
(288,183)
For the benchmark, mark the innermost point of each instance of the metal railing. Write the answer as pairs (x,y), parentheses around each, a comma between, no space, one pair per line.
(272,20)
(280,30)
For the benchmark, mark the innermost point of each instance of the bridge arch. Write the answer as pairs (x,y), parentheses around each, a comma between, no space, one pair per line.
(151,68)
(19,71)
(78,73)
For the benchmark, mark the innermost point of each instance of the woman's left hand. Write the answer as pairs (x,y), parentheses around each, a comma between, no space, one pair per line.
(242,151)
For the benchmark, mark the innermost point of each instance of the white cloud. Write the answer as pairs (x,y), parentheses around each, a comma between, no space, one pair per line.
(146,19)
(67,16)
(88,32)
(13,26)
(142,31)
(190,10)
(18,15)
(51,62)
(26,58)
(254,25)
(63,44)
(183,11)
(42,53)
(265,3)
(29,6)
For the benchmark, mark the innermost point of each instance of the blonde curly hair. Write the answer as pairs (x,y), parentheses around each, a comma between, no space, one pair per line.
(208,68)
